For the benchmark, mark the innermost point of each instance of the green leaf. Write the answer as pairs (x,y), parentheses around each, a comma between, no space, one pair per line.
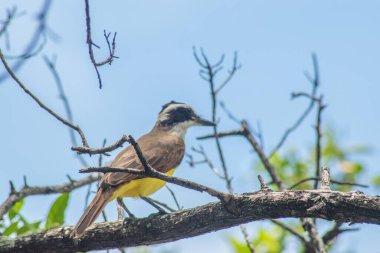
(15,210)
(239,247)
(11,229)
(376,181)
(56,216)
(29,228)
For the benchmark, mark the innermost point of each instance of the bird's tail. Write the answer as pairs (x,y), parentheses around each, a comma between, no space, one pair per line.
(93,210)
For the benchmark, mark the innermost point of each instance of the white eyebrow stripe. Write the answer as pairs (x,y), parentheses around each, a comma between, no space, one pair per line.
(174,106)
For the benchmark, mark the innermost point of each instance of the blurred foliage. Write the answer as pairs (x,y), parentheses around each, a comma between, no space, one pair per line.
(15,224)
(269,240)
(294,165)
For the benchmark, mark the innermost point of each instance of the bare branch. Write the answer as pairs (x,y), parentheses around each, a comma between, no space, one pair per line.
(315,85)
(11,14)
(331,181)
(16,196)
(235,67)
(267,165)
(291,230)
(263,185)
(211,70)
(42,105)
(245,132)
(318,144)
(66,104)
(316,240)
(150,172)
(222,134)
(333,233)
(206,160)
(346,207)
(90,43)
(244,231)
(104,150)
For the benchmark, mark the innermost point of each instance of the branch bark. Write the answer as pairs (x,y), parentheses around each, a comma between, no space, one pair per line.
(351,207)
(16,196)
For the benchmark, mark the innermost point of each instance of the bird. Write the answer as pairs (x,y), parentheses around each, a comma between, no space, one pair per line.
(163,148)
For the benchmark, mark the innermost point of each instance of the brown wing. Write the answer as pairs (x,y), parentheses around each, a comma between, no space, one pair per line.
(161,150)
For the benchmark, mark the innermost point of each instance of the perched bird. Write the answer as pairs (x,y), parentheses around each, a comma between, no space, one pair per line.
(163,147)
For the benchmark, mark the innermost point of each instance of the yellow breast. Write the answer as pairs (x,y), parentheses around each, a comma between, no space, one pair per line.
(141,187)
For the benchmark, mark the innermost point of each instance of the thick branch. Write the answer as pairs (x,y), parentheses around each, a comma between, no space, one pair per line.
(346,207)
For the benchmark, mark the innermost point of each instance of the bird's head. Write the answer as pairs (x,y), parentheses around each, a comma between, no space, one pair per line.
(176,118)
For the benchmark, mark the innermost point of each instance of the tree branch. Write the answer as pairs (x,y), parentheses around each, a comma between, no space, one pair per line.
(345,207)
(333,181)
(42,105)
(16,196)
(315,84)
(155,174)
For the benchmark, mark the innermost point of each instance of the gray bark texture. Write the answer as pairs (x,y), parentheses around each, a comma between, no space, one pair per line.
(353,207)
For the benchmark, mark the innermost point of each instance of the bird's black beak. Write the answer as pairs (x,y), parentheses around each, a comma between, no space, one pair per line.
(204,122)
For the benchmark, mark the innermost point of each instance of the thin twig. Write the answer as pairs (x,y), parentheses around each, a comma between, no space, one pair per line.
(11,14)
(174,197)
(315,84)
(85,148)
(244,231)
(318,144)
(66,105)
(93,151)
(330,236)
(38,101)
(155,174)
(333,181)
(208,72)
(206,160)
(291,230)
(235,67)
(90,43)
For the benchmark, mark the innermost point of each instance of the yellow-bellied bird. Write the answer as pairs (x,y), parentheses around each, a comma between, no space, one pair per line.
(163,147)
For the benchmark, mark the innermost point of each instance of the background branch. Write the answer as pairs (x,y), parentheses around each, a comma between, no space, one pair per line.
(34,41)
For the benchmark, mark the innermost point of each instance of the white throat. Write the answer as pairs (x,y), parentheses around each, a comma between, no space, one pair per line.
(181,128)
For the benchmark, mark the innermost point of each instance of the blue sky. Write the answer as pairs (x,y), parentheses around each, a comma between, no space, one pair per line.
(274,39)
